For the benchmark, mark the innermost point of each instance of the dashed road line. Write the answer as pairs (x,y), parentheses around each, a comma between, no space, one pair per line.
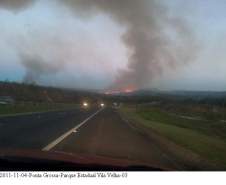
(65,135)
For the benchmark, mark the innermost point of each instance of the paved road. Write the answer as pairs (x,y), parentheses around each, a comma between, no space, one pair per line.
(91,132)
(35,131)
(108,135)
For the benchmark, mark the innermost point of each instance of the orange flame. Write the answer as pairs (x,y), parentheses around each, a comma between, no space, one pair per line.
(127,89)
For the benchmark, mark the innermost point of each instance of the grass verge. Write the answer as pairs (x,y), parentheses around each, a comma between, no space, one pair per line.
(195,136)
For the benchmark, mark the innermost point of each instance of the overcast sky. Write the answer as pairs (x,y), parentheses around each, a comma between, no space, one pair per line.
(89,52)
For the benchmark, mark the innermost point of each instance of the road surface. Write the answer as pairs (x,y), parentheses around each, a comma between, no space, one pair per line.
(98,132)
(35,131)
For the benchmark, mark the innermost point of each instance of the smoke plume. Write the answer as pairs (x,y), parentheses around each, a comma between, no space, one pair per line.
(36,66)
(15,5)
(44,55)
(155,40)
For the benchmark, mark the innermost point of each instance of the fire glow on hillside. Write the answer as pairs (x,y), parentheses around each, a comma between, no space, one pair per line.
(128,89)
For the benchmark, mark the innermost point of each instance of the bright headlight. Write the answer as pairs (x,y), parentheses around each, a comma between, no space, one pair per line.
(85,104)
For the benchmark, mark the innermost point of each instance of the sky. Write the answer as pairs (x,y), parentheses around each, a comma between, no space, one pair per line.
(52,44)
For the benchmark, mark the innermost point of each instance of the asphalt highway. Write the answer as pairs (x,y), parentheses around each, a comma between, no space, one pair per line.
(109,135)
(35,131)
(95,132)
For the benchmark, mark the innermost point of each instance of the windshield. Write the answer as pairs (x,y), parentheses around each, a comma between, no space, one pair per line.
(114,83)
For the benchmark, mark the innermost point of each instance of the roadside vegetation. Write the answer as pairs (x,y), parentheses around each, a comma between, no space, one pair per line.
(21,92)
(18,98)
(203,136)
(28,107)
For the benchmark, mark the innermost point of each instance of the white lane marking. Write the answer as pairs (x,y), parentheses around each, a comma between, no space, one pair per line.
(61,138)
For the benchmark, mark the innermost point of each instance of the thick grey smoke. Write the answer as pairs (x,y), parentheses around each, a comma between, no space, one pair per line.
(15,5)
(155,40)
(44,55)
(36,66)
